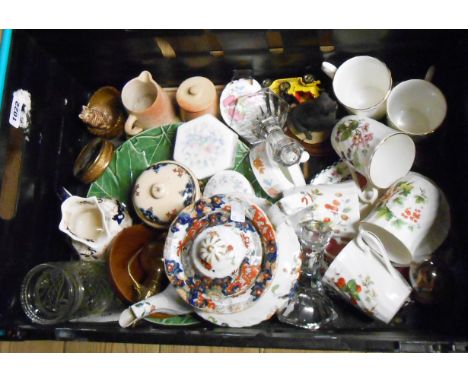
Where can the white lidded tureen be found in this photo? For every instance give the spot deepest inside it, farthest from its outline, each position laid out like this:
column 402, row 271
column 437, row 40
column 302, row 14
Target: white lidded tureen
column 227, row 263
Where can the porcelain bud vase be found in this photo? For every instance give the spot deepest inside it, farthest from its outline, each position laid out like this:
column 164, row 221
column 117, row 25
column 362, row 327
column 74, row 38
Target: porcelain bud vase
column 92, row 223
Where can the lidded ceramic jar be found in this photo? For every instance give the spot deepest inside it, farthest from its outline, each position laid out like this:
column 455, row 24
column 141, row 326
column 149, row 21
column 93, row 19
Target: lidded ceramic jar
column 221, row 254
column 162, row 191
column 196, row 96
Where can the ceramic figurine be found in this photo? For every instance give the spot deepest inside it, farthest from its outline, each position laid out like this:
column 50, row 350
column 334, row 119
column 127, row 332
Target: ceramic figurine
column 104, row 113
column 92, row 223
column 162, row 191
column 197, row 96
column 147, row 104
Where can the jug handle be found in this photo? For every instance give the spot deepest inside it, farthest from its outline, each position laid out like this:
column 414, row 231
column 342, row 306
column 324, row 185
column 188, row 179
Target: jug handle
column 168, row 301
column 130, row 128
column 329, row 69
column 430, row 73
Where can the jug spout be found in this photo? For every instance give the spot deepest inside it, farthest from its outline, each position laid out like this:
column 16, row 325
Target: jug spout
column 145, row 76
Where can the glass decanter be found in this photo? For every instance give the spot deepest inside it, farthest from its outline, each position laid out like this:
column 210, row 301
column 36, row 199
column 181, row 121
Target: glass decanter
column 310, row 307
column 261, row 117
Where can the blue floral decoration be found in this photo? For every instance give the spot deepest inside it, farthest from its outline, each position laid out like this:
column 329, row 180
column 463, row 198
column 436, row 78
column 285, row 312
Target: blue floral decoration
column 148, row 214
column 157, row 167
column 119, row 217
column 187, row 193
column 172, row 267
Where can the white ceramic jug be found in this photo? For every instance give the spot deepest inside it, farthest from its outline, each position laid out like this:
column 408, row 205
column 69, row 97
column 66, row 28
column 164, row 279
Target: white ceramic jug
column 91, row 223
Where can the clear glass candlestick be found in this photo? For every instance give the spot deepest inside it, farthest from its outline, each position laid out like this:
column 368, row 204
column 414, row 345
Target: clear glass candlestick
column 310, row 307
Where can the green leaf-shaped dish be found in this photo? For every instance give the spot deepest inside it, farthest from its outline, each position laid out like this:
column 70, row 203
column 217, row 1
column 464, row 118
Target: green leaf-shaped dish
column 133, row 157
column 144, row 149
column 182, row 320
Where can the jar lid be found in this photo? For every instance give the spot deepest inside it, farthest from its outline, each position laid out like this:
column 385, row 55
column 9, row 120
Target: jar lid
column 162, row 191
column 93, row 160
column 196, row 94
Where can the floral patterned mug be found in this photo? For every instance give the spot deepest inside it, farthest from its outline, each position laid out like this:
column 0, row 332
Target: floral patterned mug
column 362, row 278
column 404, row 215
column 376, row 151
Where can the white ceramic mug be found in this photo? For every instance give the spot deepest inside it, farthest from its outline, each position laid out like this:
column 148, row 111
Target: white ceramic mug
column 362, row 85
column 416, row 107
column 335, row 204
column 272, row 177
column 404, row 215
column 367, row 280
column 376, row 151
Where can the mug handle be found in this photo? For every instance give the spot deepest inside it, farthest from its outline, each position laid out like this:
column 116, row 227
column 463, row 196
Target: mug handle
column 369, row 242
column 130, row 128
column 295, row 174
column 429, row 74
column 329, row 69
column 370, row 194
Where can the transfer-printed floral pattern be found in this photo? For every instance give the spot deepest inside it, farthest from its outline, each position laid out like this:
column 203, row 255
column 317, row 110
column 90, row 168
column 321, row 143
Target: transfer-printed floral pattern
column 358, row 138
column 334, row 210
column 358, row 292
column 228, row 182
column 265, row 178
column 336, row 173
column 402, row 205
column 199, row 290
column 156, row 212
column 205, row 146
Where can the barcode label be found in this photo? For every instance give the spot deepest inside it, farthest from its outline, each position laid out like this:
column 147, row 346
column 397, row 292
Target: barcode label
column 16, row 111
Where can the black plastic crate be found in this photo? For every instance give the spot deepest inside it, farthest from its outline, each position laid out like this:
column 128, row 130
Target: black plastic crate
column 62, row 68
